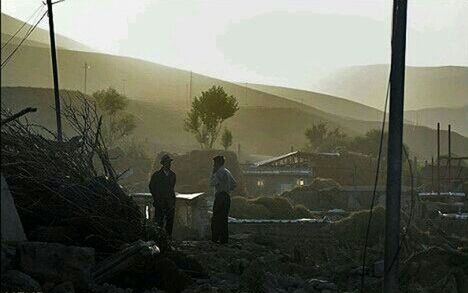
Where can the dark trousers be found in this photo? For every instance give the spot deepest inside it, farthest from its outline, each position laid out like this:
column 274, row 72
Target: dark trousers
column 164, row 217
column 219, row 221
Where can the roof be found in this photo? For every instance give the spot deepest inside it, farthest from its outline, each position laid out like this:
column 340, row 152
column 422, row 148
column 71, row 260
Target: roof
column 271, row 160
column 296, row 153
column 277, row 172
column 181, row 196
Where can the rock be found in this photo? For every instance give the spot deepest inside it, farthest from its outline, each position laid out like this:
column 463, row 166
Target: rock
column 237, row 266
column 53, row 262
column 121, row 261
column 379, row 268
column 320, row 285
column 109, row 288
column 48, row 286
column 253, row 278
column 353, row 204
column 65, row 287
column 154, row 290
column 8, row 257
column 11, row 227
column 18, row 281
column 358, row 271
column 172, row 278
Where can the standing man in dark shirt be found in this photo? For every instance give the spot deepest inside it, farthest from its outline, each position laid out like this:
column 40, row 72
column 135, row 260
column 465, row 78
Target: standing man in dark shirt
column 162, row 188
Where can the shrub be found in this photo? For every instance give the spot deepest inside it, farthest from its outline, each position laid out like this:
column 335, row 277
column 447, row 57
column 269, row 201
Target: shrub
column 354, row 226
column 300, row 212
column 279, row 207
column 244, row 208
column 267, row 208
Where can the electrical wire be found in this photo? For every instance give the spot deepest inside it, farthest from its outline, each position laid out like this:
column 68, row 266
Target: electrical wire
column 23, row 25
column 376, row 181
column 410, row 217
column 29, row 32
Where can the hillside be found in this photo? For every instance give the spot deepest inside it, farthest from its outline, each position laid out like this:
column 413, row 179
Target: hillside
column 426, row 87
column 457, row 117
column 327, row 103
column 267, row 123
column 259, row 130
column 10, row 25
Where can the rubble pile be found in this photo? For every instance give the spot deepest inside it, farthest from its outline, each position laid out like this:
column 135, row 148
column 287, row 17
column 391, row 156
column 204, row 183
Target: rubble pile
column 67, row 191
column 320, row 194
column 249, row 266
column 267, row 208
column 137, row 267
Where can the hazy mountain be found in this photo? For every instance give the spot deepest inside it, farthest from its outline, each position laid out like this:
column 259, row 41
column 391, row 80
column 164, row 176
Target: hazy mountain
column 339, row 106
column 263, row 130
column 457, row 117
column 426, row 87
column 138, row 79
column 10, row 25
column 266, row 123
column 16, row 41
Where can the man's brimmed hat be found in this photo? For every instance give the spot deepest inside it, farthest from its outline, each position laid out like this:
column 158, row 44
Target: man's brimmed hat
column 219, row 159
column 166, row 158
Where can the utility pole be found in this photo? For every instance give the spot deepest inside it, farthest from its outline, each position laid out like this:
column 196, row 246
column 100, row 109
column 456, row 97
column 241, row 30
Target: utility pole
column 395, row 143
column 438, row 158
column 449, row 158
column 190, row 87
column 123, row 86
column 53, row 54
column 86, row 67
column 432, row 174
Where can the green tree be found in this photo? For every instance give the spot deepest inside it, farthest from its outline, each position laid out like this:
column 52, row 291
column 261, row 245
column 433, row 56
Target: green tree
column 226, row 139
column 117, row 122
column 208, row 113
column 320, row 138
column 110, row 101
column 369, row 143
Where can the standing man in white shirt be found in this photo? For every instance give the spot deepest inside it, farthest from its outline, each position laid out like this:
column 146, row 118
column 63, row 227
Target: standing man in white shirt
column 223, row 183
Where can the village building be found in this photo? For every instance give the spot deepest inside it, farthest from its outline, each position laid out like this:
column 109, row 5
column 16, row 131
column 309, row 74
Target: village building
column 451, row 177
column 283, row 173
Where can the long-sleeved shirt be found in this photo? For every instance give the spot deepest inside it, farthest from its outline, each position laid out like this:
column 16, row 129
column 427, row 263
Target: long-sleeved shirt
column 223, row 181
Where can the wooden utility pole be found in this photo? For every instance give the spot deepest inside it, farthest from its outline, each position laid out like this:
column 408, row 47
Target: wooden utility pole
column 53, row 54
column 432, row 174
column 86, row 67
column 190, row 87
column 395, row 145
column 449, row 158
column 438, row 158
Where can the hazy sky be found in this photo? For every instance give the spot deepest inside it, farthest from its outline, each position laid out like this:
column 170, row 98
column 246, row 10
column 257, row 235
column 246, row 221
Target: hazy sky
column 292, row 43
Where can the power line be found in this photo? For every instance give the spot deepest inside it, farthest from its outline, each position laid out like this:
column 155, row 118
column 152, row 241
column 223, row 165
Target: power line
column 376, row 181
column 28, row 33
column 22, row 26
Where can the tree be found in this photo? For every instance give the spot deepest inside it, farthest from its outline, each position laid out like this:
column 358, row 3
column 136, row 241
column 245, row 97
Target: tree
column 369, row 143
column 320, row 138
column 110, row 101
column 226, row 139
column 208, row 113
column 117, row 122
